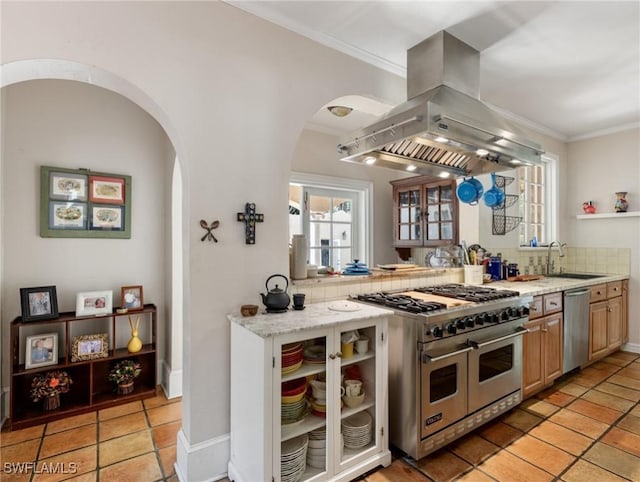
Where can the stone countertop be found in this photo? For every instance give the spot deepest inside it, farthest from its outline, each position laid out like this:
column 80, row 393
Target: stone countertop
column 376, row 274
column 315, row 315
column 553, row 285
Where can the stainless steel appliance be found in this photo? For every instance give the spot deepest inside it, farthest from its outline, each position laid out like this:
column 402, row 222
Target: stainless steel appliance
column 455, row 361
column 444, row 126
column 576, row 329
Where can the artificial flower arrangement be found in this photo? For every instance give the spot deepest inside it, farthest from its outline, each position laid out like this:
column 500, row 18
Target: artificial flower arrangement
column 125, row 371
column 50, row 384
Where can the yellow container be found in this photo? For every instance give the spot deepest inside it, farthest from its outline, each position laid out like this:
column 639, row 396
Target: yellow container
column 346, row 349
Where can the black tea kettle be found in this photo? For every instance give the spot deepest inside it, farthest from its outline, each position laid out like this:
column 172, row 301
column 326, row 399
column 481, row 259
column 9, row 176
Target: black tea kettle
column 276, row 300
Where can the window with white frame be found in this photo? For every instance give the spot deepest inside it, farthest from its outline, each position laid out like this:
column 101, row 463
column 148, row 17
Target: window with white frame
column 334, row 215
column 537, row 205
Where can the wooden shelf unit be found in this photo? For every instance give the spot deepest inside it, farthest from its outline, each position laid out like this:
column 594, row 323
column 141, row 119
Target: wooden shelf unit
column 91, row 389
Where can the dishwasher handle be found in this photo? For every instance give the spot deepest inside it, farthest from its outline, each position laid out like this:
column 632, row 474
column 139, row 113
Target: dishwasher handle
column 576, row 293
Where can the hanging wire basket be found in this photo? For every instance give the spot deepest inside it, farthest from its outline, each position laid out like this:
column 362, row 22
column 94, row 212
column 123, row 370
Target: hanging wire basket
column 509, row 200
column 505, row 224
column 503, row 181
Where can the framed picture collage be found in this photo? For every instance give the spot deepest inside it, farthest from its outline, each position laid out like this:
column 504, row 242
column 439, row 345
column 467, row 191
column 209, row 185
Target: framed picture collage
column 78, row 203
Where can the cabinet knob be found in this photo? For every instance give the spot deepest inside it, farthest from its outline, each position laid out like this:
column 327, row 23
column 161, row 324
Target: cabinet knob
column 598, row 292
column 544, row 330
column 339, row 354
column 615, row 289
column 533, row 307
column 553, row 303
column 332, row 356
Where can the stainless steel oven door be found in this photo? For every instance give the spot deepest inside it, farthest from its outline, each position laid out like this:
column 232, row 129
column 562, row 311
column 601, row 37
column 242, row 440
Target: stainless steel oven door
column 495, row 368
column 443, row 388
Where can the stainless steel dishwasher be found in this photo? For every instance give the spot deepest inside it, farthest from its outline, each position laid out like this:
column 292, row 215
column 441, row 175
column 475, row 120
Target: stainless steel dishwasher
column 576, row 329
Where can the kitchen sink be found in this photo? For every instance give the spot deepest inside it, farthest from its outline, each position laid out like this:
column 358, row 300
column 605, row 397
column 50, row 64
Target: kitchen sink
column 574, row 275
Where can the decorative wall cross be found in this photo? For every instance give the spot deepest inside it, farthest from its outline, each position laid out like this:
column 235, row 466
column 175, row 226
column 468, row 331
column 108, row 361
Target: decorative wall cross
column 250, row 218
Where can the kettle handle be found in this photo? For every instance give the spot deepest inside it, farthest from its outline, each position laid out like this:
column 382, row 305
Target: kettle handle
column 275, row 276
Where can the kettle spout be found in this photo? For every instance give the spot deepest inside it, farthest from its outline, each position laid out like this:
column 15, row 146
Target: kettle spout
column 264, row 298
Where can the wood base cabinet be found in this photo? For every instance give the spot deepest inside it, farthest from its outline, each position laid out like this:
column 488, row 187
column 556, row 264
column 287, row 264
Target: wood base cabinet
column 542, row 345
column 273, row 439
column 91, row 389
column 606, row 331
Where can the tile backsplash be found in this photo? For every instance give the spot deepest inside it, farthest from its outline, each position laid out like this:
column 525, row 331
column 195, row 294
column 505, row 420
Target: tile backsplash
column 581, row 260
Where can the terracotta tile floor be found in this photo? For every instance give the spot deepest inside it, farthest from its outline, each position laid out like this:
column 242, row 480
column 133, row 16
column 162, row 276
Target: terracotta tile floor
column 586, row 428
column 134, row 442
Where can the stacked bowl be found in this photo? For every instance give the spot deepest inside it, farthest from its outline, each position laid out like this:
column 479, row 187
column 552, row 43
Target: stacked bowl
column 317, row 450
column 294, row 406
column 291, row 357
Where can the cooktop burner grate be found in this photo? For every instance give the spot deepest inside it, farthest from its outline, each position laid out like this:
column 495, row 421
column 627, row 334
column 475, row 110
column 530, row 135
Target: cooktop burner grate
column 402, row 302
column 468, row 293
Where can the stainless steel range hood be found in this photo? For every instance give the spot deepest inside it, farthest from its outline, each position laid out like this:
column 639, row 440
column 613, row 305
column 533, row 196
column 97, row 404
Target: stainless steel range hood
column 443, row 129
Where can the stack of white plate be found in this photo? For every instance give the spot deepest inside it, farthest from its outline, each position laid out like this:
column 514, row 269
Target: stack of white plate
column 317, row 451
column 357, row 430
column 293, row 458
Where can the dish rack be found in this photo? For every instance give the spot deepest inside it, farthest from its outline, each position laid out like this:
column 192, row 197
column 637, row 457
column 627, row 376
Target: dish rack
column 501, row 223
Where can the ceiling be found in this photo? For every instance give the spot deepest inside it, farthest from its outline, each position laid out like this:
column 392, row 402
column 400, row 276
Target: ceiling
column 569, row 69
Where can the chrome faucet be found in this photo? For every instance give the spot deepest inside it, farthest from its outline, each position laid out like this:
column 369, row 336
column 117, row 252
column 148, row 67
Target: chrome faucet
column 560, row 246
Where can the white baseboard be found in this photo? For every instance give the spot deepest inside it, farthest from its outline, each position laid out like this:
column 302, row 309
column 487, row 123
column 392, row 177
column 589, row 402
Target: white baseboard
column 171, row 381
column 196, row 463
column 632, row 347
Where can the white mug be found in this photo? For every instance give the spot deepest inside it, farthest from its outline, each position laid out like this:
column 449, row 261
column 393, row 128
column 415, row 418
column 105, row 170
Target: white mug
column 362, row 345
column 353, row 388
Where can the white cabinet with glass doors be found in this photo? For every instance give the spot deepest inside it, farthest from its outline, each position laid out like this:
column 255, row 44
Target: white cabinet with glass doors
column 288, row 418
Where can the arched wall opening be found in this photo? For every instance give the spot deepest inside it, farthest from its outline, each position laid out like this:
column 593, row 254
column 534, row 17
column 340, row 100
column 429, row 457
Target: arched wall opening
column 109, row 125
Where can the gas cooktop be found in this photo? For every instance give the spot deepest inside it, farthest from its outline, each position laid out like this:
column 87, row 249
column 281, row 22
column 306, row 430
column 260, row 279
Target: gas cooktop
column 402, row 300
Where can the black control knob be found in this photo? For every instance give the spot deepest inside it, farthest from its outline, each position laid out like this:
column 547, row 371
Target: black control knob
column 494, row 318
column 460, row 324
column 436, row 331
column 504, row 316
column 524, row 311
column 451, row 329
column 471, row 321
column 482, row 319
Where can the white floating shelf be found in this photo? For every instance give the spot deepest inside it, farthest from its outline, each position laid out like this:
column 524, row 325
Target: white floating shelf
column 629, row 214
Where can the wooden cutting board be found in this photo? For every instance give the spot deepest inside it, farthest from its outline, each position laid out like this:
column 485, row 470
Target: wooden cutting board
column 450, row 302
column 525, row 277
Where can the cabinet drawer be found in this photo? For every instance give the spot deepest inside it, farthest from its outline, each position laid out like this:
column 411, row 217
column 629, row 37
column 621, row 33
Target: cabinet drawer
column 536, row 308
column 598, row 293
column 614, row 289
column 552, row 303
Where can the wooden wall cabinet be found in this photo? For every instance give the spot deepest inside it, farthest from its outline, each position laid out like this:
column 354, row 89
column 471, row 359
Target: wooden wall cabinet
column 91, row 388
column 542, row 345
column 425, row 212
column 607, row 324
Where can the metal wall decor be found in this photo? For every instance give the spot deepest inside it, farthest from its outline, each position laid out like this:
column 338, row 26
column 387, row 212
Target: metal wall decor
column 250, row 218
column 209, row 235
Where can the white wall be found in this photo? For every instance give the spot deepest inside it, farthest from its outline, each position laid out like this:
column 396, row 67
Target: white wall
column 75, row 125
column 238, row 91
column 599, row 168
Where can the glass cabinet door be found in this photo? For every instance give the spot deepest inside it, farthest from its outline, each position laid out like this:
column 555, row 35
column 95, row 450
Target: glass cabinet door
column 409, row 215
column 440, row 218
column 301, row 407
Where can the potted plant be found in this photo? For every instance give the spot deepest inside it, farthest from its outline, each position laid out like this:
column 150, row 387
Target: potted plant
column 123, row 374
column 48, row 388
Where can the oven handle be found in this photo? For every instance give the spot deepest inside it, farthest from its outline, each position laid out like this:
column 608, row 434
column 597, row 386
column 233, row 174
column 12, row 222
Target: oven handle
column 432, row 359
column 519, row 331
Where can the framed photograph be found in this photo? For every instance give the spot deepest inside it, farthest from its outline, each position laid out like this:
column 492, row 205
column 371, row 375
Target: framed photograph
column 106, row 190
column 41, row 350
column 78, row 203
column 64, row 215
column 67, row 186
column 131, row 298
column 94, row 303
column 89, row 347
column 107, row 217
column 39, row 303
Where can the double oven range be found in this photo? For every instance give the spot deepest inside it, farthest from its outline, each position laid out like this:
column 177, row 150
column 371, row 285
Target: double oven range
column 455, row 361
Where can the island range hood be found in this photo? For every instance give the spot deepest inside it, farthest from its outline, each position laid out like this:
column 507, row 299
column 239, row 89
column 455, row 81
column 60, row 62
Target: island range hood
column 443, row 129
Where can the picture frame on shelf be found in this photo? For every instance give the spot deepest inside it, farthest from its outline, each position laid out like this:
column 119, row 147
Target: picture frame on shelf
column 94, row 303
column 89, row 347
column 132, row 298
column 39, row 303
column 79, row 203
column 41, row 350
